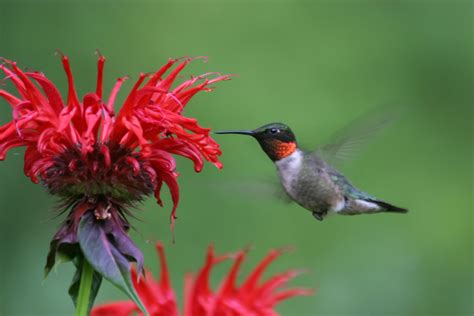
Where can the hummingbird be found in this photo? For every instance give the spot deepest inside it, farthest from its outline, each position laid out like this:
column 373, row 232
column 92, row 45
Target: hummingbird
column 309, row 180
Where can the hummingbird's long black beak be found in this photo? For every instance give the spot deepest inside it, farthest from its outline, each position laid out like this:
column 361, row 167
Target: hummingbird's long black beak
column 242, row 132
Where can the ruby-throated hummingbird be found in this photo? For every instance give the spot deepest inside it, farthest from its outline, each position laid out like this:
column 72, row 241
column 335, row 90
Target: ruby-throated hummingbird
column 309, row 180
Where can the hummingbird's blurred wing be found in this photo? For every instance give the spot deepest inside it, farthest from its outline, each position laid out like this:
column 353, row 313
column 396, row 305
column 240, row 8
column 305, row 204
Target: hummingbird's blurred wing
column 350, row 140
column 261, row 188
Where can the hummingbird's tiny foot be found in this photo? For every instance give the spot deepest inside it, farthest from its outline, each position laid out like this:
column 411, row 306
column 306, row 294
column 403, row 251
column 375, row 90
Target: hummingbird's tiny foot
column 318, row 216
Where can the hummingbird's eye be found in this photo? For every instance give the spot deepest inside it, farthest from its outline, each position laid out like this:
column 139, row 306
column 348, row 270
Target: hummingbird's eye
column 274, row 130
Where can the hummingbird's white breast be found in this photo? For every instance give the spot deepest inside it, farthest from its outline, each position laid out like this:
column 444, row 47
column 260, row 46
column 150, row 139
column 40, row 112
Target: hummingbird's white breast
column 288, row 170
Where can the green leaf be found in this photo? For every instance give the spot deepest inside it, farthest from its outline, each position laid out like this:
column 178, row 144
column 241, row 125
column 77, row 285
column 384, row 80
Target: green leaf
column 75, row 284
column 59, row 252
column 105, row 258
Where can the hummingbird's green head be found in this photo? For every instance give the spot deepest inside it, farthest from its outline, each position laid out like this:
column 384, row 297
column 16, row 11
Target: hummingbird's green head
column 276, row 139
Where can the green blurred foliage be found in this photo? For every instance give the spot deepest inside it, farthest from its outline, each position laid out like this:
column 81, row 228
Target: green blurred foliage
column 314, row 65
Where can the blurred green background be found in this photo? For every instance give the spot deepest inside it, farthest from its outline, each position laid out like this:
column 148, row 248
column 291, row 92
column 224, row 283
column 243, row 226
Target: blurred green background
column 315, row 65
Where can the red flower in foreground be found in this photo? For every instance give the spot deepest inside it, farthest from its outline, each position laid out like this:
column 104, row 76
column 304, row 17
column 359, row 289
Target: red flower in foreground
column 251, row 298
column 101, row 163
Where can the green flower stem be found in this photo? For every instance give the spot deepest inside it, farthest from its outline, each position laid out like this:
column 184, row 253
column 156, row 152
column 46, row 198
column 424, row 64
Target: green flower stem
column 82, row 307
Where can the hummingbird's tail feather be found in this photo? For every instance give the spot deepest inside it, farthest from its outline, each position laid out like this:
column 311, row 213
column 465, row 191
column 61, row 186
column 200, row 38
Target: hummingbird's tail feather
column 387, row 207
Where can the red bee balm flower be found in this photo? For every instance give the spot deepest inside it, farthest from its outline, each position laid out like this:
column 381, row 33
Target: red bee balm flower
column 100, row 164
column 251, row 298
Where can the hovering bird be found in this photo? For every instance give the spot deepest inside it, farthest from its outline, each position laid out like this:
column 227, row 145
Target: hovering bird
column 309, row 180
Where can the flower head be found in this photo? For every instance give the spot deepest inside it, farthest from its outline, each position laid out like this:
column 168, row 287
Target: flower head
column 83, row 149
column 253, row 297
column 99, row 162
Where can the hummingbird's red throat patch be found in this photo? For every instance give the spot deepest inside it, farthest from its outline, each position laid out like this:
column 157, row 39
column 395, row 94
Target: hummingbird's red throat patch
column 283, row 149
